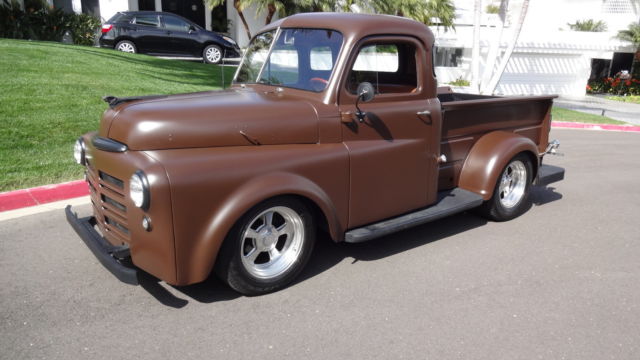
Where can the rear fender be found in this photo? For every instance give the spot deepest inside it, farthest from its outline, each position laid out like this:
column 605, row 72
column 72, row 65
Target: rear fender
column 489, row 155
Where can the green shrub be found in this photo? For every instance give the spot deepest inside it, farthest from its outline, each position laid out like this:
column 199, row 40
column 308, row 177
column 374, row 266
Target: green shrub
column 38, row 21
column 460, row 82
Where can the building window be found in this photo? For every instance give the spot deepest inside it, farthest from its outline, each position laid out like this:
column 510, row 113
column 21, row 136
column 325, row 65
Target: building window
column 447, row 56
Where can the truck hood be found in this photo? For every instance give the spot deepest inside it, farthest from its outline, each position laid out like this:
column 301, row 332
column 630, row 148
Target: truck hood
column 232, row 117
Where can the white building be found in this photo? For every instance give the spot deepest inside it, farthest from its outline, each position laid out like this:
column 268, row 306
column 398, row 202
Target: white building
column 549, row 58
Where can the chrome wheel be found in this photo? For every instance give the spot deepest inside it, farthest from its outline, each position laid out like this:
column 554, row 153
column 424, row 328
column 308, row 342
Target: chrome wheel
column 213, row 54
column 512, row 184
column 272, row 242
column 126, row 46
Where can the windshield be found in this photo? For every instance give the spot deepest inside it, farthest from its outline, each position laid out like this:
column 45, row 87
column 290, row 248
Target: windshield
column 296, row 58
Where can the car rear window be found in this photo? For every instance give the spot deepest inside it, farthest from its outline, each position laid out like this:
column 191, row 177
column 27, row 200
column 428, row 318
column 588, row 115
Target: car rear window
column 148, row 20
column 119, row 17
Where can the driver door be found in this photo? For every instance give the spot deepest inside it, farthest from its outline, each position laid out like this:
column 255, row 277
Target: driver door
column 392, row 151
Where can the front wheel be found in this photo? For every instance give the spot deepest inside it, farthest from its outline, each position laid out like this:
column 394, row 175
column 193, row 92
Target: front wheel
column 268, row 247
column 212, row 54
column 511, row 194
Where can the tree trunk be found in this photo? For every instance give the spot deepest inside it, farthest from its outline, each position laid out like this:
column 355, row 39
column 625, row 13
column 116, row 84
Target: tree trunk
column 236, row 4
column 271, row 10
column 475, row 51
column 491, row 87
column 492, row 55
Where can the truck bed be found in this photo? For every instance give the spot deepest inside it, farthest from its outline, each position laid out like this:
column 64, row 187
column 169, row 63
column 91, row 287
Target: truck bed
column 466, row 117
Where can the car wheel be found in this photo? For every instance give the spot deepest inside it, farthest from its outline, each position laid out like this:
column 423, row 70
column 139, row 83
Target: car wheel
column 126, row 46
column 212, row 54
column 511, row 194
column 268, row 247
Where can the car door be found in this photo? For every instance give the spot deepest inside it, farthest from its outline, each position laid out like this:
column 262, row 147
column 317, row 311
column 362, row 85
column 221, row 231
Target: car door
column 182, row 35
column 392, row 151
column 149, row 37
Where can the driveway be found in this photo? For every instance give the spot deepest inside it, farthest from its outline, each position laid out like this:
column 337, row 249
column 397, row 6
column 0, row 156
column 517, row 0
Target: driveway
column 561, row 281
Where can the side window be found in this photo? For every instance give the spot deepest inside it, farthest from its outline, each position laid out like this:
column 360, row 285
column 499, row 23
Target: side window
column 389, row 67
column 175, row 24
column 147, row 20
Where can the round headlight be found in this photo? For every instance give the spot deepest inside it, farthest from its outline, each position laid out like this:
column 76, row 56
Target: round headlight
column 139, row 190
column 78, row 151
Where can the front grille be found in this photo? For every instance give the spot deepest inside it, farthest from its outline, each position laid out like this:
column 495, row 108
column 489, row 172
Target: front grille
column 112, row 180
column 107, row 197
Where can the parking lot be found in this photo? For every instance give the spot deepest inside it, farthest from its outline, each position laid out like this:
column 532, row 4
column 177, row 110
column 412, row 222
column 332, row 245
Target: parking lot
column 561, row 281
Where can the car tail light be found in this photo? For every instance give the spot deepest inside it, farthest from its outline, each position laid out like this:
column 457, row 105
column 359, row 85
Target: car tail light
column 106, row 28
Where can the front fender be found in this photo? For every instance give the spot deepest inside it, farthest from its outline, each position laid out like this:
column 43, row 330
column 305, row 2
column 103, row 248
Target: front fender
column 489, row 155
column 249, row 195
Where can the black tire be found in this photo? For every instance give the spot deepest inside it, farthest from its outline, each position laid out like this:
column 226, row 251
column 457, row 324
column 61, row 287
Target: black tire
column 248, row 263
column 126, row 46
column 212, row 54
column 510, row 196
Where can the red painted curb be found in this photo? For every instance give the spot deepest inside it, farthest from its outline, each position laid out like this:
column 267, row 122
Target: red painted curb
column 18, row 199
column 575, row 125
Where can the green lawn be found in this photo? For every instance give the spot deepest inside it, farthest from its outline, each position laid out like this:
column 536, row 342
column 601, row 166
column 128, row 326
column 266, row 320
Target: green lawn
column 630, row 98
column 560, row 114
column 51, row 94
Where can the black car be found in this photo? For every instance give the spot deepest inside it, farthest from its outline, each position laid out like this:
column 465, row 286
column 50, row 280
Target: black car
column 161, row 33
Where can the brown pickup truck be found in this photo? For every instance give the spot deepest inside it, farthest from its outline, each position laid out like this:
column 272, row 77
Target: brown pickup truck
column 333, row 122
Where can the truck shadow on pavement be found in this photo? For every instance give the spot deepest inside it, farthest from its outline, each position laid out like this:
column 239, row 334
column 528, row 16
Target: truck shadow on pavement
column 327, row 254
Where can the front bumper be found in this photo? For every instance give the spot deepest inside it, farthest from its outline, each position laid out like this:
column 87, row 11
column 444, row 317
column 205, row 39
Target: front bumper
column 111, row 257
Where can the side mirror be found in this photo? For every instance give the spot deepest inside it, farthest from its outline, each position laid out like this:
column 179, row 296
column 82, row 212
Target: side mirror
column 366, row 93
column 192, row 29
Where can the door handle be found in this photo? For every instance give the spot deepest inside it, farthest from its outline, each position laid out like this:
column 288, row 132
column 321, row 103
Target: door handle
column 425, row 116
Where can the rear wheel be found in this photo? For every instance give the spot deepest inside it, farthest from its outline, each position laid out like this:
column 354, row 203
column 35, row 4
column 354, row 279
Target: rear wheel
column 212, row 54
column 268, row 247
column 511, row 194
column 126, row 46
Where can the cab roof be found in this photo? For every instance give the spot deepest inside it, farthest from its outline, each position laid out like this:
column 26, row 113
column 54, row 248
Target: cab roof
column 357, row 26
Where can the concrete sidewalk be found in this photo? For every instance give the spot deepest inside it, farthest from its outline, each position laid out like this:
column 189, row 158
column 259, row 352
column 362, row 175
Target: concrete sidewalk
column 596, row 104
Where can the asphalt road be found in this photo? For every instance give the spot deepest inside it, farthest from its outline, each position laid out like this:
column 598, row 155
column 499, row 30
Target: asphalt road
column 560, row 282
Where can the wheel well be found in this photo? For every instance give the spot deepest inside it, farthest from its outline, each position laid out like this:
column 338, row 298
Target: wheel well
column 534, row 163
column 123, row 38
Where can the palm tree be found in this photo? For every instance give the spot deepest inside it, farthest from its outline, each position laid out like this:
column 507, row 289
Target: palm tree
column 238, row 5
column 589, row 25
column 491, row 86
column 632, row 34
column 492, row 55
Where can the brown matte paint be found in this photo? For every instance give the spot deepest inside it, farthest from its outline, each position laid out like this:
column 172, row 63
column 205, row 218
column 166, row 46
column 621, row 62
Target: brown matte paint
column 212, row 156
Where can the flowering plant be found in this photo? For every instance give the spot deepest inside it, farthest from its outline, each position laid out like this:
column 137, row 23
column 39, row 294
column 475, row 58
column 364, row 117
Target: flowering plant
column 618, row 85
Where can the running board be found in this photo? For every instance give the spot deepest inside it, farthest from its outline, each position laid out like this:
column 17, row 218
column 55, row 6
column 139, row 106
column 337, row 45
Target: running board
column 449, row 202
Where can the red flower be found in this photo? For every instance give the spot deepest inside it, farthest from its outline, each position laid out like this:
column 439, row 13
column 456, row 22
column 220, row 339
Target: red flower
column 628, row 82
column 588, row 87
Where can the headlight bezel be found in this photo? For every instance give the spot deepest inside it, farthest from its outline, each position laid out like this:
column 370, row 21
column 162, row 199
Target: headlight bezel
column 79, row 151
column 139, row 183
